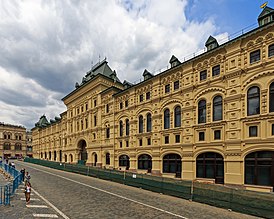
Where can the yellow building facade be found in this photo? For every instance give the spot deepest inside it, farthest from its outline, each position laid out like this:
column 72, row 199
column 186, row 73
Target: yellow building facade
column 210, row 118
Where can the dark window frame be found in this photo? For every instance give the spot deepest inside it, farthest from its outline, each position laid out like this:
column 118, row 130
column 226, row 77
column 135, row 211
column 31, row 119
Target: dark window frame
column 166, row 119
column 217, row 134
column 148, row 95
column 201, row 136
column 216, row 70
column 127, row 127
column 177, row 117
column 203, row 75
column 177, row 138
column 253, row 96
column 166, row 139
column 167, row 88
column 253, row 131
column 176, row 85
column 141, row 98
column 202, row 111
column 107, row 158
column 271, row 97
column 149, row 122
column 255, row 56
column 218, row 108
column 121, row 128
column 172, row 163
column 271, row 50
column 141, row 124
column 144, row 162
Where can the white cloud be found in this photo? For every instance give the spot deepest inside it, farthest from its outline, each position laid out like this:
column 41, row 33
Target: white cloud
column 46, row 46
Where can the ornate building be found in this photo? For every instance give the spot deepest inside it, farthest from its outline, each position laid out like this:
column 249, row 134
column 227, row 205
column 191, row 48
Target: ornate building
column 12, row 141
column 208, row 118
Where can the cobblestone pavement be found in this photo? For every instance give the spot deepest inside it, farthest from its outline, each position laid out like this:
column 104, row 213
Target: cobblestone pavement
column 83, row 197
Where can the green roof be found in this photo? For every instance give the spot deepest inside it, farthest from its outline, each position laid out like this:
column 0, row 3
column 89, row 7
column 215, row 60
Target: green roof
column 265, row 12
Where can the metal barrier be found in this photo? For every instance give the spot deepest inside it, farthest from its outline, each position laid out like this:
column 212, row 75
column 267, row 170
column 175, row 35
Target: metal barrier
column 244, row 201
column 6, row 191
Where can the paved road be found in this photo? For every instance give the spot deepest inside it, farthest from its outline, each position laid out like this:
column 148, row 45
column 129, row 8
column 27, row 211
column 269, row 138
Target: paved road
column 69, row 195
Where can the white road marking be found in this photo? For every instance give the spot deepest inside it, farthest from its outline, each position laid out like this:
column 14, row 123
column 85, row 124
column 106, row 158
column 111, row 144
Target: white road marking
column 113, row 194
column 45, row 215
column 37, row 206
column 51, row 205
column 32, row 199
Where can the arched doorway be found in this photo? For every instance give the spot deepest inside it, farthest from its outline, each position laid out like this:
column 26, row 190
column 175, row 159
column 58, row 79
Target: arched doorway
column 83, row 155
column 60, row 155
column 145, row 162
column 259, row 168
column 124, row 161
column 54, row 155
column 94, row 159
column 71, row 158
column 172, row 163
column 210, row 165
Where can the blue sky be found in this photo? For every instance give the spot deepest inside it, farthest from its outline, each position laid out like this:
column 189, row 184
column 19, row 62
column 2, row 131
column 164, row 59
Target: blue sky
column 47, row 46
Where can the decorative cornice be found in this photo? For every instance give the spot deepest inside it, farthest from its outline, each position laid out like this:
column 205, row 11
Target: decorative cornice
column 257, row 76
column 208, row 90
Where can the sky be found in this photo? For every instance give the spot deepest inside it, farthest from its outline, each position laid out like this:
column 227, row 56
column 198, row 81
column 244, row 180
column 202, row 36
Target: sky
column 46, row 46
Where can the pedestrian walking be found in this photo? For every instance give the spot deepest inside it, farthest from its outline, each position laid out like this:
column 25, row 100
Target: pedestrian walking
column 27, row 192
column 22, row 171
column 27, row 178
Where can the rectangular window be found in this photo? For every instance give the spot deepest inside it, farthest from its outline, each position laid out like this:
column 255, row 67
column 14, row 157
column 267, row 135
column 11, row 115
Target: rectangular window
column 149, row 141
column 121, row 105
column 95, row 121
column 216, row 70
column 147, row 95
column 141, row 98
column 107, row 108
column 177, row 138
column 82, row 109
column 95, row 103
column 253, row 131
column 127, row 144
column 217, row 134
column 94, row 136
column 86, row 106
column 167, row 139
column 167, row 88
column 140, row 142
column 255, row 56
column 272, row 129
column 126, row 103
column 271, row 50
column 108, row 133
column 201, row 136
column 203, row 75
column 176, row 85
column 121, row 144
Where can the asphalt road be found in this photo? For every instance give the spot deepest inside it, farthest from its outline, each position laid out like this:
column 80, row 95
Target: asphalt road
column 74, row 196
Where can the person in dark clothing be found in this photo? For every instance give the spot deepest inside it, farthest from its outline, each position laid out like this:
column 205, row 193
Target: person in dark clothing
column 22, row 171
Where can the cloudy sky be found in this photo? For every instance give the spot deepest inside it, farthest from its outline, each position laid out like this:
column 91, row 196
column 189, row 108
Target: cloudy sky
column 46, row 46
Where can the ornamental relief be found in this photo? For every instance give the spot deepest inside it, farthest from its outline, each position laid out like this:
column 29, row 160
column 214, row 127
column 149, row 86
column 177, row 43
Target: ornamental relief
column 171, row 78
column 144, row 89
column 170, row 102
column 252, row 43
column 257, row 76
column 213, row 89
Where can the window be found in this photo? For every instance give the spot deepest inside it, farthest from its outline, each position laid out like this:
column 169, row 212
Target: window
column 107, row 108
column 126, row 103
column 121, row 144
column 253, row 131
column 95, row 103
column 176, row 85
column 216, row 70
column 166, row 139
column 124, row 161
column 271, row 97
column 121, row 105
column 127, row 127
column 140, row 142
column 7, row 146
column 203, row 75
column 147, row 95
column 177, row 112
column 5, row 136
column 210, row 165
column 95, row 121
column 217, row 108
column 107, row 132
column 82, row 109
column 272, row 129
column 86, row 106
column 127, row 144
column 253, row 101
column 82, row 125
column 202, row 111
column 78, row 111
column 201, row 136
column 167, row 88
column 149, row 122
column 172, row 163
column 271, row 50
column 86, row 120
column 148, row 141
column 94, row 136
column 121, row 128
column 217, row 134
column 259, row 168
column 107, row 159
column 255, row 56
column 144, row 162
column 141, row 124
column 177, row 138
column 166, row 119
column 141, row 97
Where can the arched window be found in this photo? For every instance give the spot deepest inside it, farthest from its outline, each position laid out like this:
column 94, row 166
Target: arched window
column 253, row 101
column 124, row 161
column 50, row 155
column 71, row 158
column 45, row 155
column 202, row 111
column 141, row 124
column 121, row 127
column 54, row 155
column 271, row 97
column 127, row 127
column 172, row 164
column 217, row 108
column 210, row 165
column 107, row 159
column 259, row 168
column 177, row 119
column 149, row 122
column 41, row 155
column 166, row 119
column 144, row 162
column 7, row 146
